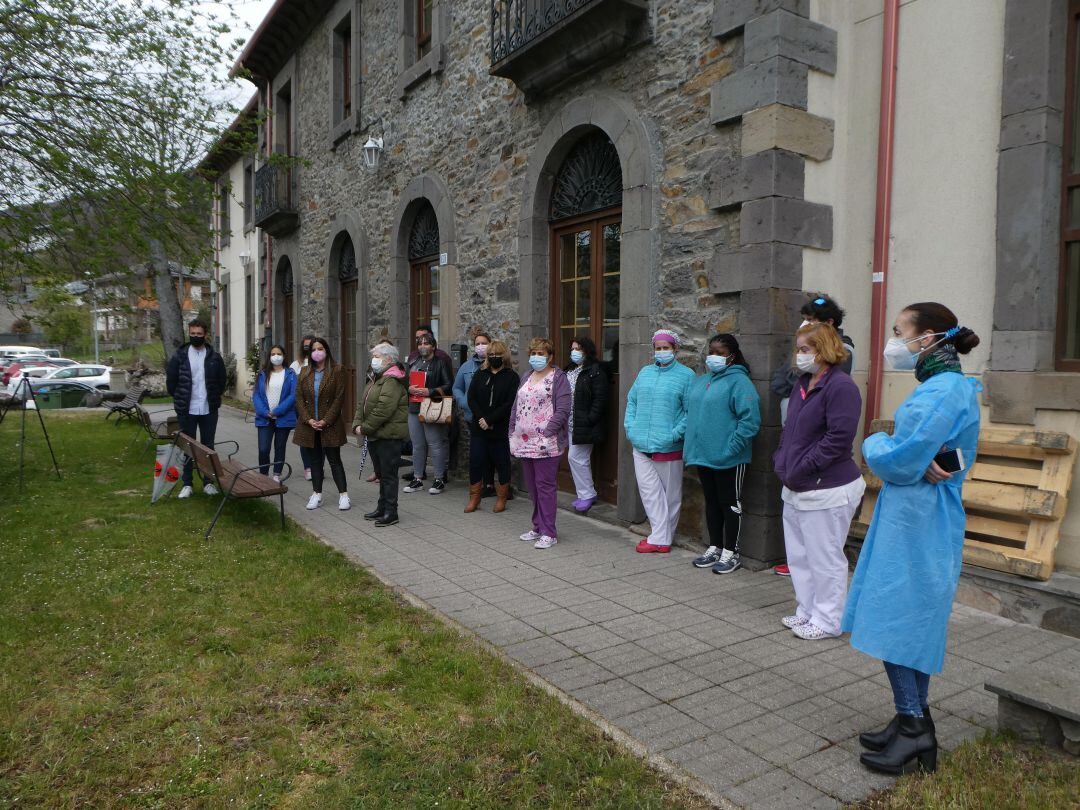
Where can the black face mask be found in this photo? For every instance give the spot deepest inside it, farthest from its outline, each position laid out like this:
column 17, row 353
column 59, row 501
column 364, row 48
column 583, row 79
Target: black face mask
column 305, row 349
column 495, row 362
column 197, row 341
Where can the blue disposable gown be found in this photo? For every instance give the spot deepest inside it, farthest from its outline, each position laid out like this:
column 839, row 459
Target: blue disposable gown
column 902, row 592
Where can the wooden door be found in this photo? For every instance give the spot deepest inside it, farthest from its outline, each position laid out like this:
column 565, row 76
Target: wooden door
column 585, row 303
column 289, row 336
column 348, row 344
column 424, row 294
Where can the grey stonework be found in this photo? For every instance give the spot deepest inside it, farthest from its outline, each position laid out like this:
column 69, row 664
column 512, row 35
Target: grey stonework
column 1021, row 378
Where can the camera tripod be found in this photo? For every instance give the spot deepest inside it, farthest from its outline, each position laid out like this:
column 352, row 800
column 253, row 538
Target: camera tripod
column 30, row 397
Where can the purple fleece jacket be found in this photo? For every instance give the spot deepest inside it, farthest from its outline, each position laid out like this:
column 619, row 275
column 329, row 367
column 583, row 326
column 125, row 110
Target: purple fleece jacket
column 816, row 446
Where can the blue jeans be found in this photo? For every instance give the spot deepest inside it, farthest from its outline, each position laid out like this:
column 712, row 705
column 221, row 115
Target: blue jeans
column 207, row 428
column 910, row 689
column 279, row 437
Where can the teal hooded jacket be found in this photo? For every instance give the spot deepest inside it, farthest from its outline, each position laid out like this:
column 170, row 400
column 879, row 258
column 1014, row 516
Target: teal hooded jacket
column 722, row 419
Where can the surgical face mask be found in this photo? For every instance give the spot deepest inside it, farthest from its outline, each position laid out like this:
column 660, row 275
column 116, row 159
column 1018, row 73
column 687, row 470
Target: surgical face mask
column 277, row 359
column 495, row 362
column 376, row 364
column 481, row 350
column 577, row 356
column 318, row 355
column 807, row 363
column 198, row 341
column 425, row 349
column 663, row 356
column 538, row 362
column 898, row 357
column 801, row 325
column 715, row 363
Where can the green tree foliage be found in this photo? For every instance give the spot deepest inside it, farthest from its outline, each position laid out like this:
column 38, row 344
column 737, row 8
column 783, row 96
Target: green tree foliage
column 106, row 108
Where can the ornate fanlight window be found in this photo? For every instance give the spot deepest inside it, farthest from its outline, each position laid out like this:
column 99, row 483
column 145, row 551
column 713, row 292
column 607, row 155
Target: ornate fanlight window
column 424, row 236
column 347, row 261
column 590, row 179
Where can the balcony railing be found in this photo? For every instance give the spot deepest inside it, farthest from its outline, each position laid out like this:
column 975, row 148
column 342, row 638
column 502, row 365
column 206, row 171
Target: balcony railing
column 275, row 205
column 541, row 44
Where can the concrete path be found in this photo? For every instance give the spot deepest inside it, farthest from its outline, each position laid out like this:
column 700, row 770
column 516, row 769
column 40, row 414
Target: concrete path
column 695, row 667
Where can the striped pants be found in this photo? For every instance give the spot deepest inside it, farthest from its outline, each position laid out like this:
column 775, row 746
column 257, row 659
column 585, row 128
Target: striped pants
column 723, row 504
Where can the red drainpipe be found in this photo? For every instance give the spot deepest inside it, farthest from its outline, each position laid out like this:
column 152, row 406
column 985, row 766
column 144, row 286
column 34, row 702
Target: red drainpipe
column 269, row 239
column 883, row 208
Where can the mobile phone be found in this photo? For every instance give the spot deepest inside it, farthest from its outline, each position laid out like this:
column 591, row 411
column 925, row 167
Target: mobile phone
column 951, row 461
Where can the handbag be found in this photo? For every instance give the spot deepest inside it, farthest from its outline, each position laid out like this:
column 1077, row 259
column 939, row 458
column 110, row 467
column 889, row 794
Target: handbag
column 437, row 411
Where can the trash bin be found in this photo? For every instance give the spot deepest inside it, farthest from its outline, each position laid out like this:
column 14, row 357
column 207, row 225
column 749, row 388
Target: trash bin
column 72, row 397
column 49, row 400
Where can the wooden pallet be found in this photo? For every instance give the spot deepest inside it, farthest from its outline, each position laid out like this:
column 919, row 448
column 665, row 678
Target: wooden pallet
column 1015, row 498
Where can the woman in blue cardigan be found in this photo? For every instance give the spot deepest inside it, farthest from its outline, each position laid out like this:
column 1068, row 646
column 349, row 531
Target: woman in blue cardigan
column 723, row 416
column 274, row 399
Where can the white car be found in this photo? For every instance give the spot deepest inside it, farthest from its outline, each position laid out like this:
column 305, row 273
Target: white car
column 92, row 375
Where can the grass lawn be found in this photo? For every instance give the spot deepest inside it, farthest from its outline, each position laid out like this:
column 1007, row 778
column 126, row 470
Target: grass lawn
column 140, row 666
column 152, row 353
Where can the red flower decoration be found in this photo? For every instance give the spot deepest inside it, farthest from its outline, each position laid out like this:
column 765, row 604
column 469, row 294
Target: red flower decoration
column 172, row 474
column 157, row 469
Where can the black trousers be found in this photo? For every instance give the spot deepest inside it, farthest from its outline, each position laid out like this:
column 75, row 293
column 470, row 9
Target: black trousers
column 489, row 454
column 723, row 504
column 384, row 454
column 333, row 456
column 206, row 425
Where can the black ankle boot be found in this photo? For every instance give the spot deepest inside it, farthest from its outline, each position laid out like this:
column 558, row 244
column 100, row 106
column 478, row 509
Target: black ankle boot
column 389, row 519
column 877, row 740
column 374, row 514
column 913, row 745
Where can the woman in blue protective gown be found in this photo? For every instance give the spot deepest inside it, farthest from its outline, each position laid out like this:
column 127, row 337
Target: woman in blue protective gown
column 902, row 592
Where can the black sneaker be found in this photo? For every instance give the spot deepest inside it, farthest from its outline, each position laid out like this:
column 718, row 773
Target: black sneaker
column 387, row 519
column 710, row 558
column 437, row 487
column 416, row 485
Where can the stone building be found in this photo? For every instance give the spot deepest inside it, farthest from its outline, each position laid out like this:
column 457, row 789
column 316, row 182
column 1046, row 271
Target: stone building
column 605, row 167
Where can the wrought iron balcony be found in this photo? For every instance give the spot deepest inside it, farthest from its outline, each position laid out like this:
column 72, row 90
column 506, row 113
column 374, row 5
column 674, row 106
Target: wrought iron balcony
column 275, row 202
column 542, row 44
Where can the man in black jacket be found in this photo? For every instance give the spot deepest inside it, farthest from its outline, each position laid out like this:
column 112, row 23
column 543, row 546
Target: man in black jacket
column 195, row 378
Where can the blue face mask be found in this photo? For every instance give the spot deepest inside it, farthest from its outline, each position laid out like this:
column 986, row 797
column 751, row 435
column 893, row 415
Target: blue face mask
column 664, row 356
column 716, row 363
column 577, row 356
column 538, row 362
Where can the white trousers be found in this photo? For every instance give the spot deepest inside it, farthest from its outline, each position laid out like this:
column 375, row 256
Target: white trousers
column 660, row 486
column 815, row 555
column 580, row 460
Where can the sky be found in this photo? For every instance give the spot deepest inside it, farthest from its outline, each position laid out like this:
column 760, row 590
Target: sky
column 244, row 16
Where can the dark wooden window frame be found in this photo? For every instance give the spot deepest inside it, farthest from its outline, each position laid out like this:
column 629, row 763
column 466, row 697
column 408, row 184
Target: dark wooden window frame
column 1070, row 180
column 420, row 292
column 423, row 34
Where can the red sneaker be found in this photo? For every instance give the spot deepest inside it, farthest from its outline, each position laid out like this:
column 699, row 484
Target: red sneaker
column 781, row 571
column 645, row 547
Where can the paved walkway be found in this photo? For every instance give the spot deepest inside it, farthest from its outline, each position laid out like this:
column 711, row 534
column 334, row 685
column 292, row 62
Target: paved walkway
column 694, row 666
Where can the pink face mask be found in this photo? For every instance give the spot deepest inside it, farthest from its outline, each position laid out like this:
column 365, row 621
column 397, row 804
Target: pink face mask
column 318, row 355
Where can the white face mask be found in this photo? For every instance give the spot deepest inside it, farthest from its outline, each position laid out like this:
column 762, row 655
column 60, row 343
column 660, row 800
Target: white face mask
column 376, row 364
column 715, row 363
column 801, row 325
column 898, row 357
column 277, row 359
column 807, row 363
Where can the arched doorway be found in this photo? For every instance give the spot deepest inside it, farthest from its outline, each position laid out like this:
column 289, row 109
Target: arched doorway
column 424, row 293
column 348, row 277
column 586, row 241
column 287, row 313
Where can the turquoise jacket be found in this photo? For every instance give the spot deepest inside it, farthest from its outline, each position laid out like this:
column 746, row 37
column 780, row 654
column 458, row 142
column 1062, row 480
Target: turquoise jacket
column 722, row 418
column 656, row 408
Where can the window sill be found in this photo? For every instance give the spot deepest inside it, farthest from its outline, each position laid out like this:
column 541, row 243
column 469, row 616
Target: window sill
column 343, row 129
column 432, row 63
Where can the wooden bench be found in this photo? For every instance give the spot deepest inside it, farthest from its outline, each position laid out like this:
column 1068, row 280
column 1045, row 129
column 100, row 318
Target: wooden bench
column 1015, row 498
column 155, row 430
column 233, row 479
column 1040, row 703
column 125, row 408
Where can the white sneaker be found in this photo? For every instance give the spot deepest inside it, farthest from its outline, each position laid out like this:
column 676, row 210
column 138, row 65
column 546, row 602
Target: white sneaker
column 210, row 489
column 185, row 492
column 545, row 542
column 315, row 501
column 811, row 632
column 277, row 479
column 343, row 501
column 791, row 622
column 530, row 536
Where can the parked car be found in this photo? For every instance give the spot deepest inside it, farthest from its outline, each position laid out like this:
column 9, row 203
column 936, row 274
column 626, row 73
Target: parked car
column 93, row 375
column 51, row 352
column 15, row 373
column 18, row 351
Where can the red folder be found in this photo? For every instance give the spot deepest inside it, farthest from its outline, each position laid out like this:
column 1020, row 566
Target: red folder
column 417, row 379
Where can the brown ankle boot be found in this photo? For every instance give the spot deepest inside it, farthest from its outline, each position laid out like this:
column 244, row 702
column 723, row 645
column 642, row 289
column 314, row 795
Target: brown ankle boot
column 475, row 490
column 502, row 492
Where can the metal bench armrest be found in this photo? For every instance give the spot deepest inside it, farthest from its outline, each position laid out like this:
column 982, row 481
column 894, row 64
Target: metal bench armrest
column 236, row 447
